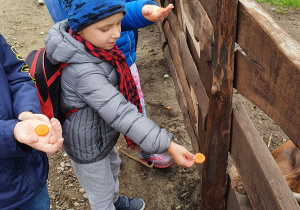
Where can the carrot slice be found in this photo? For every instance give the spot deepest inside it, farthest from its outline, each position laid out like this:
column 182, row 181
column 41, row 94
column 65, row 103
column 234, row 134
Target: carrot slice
column 41, row 130
column 160, row 9
column 199, row 158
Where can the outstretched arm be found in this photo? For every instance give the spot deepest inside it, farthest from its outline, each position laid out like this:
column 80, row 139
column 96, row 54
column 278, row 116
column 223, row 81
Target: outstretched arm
column 155, row 13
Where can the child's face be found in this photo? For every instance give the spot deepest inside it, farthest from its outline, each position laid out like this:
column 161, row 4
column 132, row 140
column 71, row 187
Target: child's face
column 104, row 33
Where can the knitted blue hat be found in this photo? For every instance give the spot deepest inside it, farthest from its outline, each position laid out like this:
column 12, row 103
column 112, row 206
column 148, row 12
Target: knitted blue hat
column 82, row 13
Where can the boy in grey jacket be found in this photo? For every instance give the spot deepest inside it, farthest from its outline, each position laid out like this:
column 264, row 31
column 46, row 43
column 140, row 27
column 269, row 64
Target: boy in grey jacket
column 100, row 100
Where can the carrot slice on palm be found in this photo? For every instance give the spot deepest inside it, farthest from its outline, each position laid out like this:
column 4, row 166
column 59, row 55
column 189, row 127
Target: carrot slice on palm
column 160, row 9
column 199, row 158
column 41, row 130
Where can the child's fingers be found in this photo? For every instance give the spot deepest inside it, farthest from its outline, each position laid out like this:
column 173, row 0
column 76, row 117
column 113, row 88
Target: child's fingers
column 30, row 139
column 43, row 118
column 52, row 148
column 166, row 10
column 185, row 162
column 189, row 163
column 56, row 131
column 189, row 159
column 189, row 155
column 169, row 8
column 55, row 147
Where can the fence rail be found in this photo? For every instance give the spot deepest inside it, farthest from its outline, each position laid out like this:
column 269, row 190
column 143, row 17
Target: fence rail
column 211, row 47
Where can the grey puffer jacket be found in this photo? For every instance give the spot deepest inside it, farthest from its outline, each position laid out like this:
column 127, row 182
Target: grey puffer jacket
column 91, row 85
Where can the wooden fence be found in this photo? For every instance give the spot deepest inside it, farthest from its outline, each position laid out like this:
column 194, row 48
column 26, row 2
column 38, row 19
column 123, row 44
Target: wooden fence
column 211, row 47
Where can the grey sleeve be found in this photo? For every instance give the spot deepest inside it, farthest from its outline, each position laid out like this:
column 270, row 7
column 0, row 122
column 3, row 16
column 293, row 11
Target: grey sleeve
column 94, row 88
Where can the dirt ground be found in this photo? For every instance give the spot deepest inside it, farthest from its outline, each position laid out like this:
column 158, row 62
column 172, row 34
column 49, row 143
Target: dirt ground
column 25, row 24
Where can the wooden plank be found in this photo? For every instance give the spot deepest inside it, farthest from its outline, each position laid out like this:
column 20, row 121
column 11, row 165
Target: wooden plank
column 188, row 31
column 268, row 73
column 210, row 7
column 219, row 114
column 180, row 72
column 189, row 66
column 203, row 62
column 262, row 179
column 162, row 37
column 204, row 73
column 203, row 31
column 196, row 109
column 159, row 25
column 178, row 12
column 179, row 95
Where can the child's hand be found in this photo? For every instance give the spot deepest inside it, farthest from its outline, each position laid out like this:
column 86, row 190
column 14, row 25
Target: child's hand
column 181, row 155
column 50, row 143
column 56, row 131
column 153, row 13
column 29, row 115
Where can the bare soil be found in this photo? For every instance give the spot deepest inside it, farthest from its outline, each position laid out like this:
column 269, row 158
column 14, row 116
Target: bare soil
column 25, row 23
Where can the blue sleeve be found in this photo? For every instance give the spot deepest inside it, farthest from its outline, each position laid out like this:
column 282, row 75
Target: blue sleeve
column 56, row 10
column 21, row 86
column 134, row 18
column 19, row 93
column 9, row 147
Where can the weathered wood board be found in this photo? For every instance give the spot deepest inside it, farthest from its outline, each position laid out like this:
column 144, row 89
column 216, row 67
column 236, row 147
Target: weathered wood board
column 267, row 68
column 262, row 179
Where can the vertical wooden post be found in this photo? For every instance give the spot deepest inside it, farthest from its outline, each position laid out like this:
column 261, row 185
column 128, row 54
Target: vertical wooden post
column 214, row 177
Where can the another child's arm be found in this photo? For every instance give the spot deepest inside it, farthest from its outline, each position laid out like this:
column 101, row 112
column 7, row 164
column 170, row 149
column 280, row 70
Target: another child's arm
column 181, row 155
column 155, row 13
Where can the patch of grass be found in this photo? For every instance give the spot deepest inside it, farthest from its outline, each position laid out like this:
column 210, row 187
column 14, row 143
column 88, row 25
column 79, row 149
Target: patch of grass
column 282, row 3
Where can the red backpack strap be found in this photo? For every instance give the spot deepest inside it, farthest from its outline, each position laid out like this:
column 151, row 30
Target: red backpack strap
column 34, row 61
column 47, row 81
column 50, row 80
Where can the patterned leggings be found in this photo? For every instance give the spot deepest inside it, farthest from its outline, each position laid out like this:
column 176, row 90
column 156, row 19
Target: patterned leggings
column 136, row 78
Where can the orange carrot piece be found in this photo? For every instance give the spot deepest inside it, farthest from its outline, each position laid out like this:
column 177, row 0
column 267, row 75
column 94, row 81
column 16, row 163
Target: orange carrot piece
column 41, row 130
column 199, row 158
column 160, row 9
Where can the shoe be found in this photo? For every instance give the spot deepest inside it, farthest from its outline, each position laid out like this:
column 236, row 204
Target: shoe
column 41, row 2
column 125, row 203
column 158, row 160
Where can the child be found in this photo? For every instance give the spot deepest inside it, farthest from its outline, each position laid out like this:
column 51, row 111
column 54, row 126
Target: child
column 100, row 100
column 140, row 13
column 23, row 169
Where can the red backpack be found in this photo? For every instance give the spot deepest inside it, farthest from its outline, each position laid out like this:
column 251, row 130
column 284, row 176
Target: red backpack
column 47, row 82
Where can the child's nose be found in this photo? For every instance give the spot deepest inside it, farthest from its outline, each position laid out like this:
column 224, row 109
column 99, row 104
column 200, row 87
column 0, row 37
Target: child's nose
column 116, row 33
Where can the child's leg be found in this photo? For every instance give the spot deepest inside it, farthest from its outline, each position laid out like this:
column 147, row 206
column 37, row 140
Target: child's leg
column 41, row 201
column 136, row 78
column 159, row 160
column 115, row 168
column 100, row 180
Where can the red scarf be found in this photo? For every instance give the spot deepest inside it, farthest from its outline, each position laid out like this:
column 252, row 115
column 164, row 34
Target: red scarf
column 117, row 59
